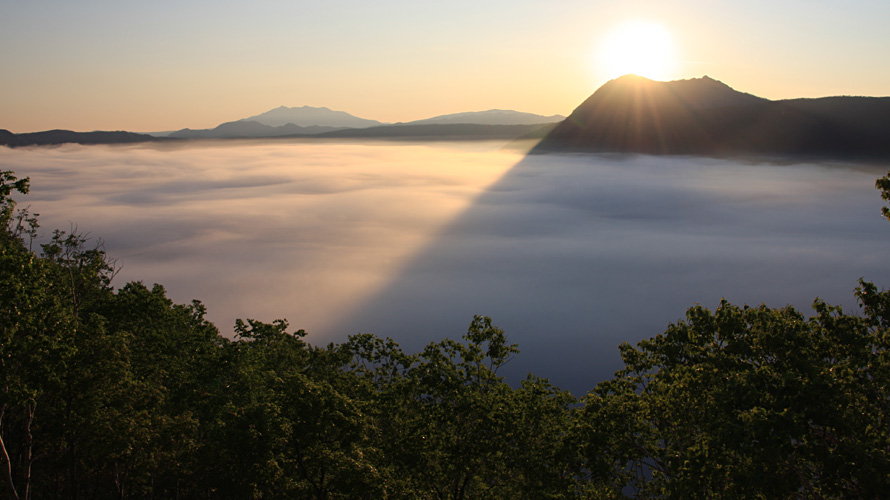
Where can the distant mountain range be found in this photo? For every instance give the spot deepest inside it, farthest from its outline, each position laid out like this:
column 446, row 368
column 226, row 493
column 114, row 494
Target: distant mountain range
column 631, row 114
column 307, row 121
column 706, row 117
column 308, row 116
column 250, row 129
column 324, row 122
column 445, row 131
column 490, row 117
column 50, row 137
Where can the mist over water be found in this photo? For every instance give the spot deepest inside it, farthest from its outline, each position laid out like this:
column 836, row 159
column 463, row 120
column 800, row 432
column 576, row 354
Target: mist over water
column 569, row 254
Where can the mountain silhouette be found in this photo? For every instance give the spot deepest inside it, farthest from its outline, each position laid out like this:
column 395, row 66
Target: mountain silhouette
column 441, row 131
column 249, row 129
column 490, row 117
column 491, row 124
column 306, row 116
column 52, row 137
column 630, row 114
column 703, row 116
column 7, row 138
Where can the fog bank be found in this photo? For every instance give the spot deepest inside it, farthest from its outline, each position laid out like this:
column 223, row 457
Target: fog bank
column 569, row 254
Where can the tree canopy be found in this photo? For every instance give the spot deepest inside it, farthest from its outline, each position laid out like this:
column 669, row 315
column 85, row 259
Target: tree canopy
column 121, row 393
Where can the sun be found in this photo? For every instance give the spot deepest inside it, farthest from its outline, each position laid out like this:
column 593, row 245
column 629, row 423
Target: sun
column 642, row 48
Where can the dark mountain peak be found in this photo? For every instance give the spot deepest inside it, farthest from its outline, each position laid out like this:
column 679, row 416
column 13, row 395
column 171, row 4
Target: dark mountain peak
column 7, row 138
column 630, row 77
column 693, row 93
column 712, row 81
column 708, row 79
column 704, row 116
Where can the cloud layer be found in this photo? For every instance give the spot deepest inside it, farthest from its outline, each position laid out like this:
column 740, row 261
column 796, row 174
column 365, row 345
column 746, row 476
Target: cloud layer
column 569, row 254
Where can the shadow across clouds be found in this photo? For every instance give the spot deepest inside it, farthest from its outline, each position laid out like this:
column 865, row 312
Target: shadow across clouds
column 570, row 254
column 573, row 254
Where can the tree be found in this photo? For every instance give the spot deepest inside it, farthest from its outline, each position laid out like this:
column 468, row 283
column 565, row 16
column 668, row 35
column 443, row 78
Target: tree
column 42, row 336
column 884, row 185
column 287, row 422
column 541, row 451
column 124, row 394
column 748, row 402
column 25, row 307
column 449, row 426
column 98, row 389
column 172, row 356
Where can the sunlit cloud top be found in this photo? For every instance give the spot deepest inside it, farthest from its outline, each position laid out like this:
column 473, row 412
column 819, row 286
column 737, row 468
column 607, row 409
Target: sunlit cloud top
column 570, row 254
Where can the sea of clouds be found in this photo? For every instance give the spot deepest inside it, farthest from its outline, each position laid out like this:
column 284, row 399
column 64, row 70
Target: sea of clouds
column 570, row 254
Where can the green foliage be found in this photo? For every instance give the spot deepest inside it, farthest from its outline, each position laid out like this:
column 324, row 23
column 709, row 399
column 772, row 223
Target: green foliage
column 884, row 185
column 121, row 393
column 8, row 184
column 457, row 419
column 748, row 403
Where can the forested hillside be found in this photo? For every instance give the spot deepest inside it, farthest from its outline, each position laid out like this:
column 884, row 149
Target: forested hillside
column 112, row 392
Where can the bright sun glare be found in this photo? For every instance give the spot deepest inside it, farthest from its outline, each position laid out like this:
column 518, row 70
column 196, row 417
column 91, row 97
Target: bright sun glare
column 640, row 47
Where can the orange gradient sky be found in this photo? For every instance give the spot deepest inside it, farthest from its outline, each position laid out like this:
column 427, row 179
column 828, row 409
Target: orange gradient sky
column 165, row 65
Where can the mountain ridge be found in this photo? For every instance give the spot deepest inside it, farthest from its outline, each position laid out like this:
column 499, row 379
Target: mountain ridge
column 442, row 131
column 307, row 116
column 59, row 136
column 307, row 121
column 630, row 114
column 706, row 117
column 489, row 117
column 243, row 129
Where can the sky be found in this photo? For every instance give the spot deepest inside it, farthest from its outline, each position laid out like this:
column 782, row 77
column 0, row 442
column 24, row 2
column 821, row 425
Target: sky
column 166, row 65
column 569, row 254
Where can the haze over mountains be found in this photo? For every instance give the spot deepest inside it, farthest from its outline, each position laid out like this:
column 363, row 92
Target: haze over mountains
column 310, row 121
column 631, row 114
column 243, row 129
column 491, row 117
column 309, row 116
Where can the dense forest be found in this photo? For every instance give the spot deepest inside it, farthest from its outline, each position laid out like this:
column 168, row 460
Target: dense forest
column 117, row 392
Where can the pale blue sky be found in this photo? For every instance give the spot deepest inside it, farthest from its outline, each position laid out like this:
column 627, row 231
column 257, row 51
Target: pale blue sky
column 165, row 65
